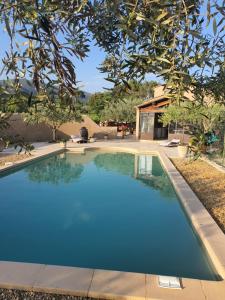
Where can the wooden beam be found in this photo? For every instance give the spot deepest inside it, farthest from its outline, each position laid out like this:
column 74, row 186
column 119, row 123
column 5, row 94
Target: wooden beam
column 152, row 109
column 155, row 107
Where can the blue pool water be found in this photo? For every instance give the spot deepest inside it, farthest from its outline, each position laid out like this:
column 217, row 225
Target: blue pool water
column 113, row 211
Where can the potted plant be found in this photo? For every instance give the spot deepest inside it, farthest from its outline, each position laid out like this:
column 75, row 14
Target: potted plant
column 92, row 139
column 182, row 150
column 182, row 147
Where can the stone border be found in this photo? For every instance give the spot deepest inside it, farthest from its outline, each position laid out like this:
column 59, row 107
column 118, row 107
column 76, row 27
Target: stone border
column 123, row 285
column 213, row 164
column 207, row 229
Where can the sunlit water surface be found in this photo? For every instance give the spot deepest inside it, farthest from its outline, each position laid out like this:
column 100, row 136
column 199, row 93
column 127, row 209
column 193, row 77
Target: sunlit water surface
column 113, row 211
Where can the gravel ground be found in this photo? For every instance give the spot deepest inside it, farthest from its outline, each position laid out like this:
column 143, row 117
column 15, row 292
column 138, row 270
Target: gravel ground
column 6, row 294
column 209, row 185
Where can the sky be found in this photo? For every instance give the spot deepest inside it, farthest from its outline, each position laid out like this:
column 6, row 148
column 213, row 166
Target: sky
column 91, row 80
column 89, row 77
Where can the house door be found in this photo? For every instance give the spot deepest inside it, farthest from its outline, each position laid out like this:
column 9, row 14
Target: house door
column 160, row 131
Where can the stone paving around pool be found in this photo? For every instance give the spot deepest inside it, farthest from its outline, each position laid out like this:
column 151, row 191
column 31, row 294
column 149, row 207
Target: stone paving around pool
column 122, row 285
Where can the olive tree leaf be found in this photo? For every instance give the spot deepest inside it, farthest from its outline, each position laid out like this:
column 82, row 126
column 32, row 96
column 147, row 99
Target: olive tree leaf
column 163, row 60
column 162, row 15
column 7, row 25
column 214, row 26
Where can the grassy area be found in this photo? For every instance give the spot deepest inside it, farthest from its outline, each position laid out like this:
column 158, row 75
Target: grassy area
column 209, row 185
column 4, row 159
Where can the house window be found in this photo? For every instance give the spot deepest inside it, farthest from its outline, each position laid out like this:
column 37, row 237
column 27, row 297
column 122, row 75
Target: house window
column 146, row 122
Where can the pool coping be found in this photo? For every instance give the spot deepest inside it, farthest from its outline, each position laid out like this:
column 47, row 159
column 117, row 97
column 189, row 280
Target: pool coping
column 30, row 158
column 107, row 284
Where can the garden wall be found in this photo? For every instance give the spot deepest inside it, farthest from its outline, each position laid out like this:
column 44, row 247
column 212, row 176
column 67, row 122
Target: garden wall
column 42, row 132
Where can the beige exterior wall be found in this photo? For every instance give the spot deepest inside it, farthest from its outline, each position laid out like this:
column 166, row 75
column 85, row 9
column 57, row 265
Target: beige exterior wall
column 73, row 128
column 160, row 91
column 42, row 132
column 18, row 128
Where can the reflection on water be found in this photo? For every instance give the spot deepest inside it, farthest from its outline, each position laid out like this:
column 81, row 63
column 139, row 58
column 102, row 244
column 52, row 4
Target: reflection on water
column 145, row 165
column 68, row 167
column 150, row 172
column 144, row 168
column 55, row 170
column 122, row 163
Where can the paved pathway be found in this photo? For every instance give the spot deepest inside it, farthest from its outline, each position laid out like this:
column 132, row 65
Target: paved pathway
column 143, row 145
column 42, row 147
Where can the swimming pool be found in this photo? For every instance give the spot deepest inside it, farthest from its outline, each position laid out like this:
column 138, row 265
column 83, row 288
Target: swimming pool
column 114, row 211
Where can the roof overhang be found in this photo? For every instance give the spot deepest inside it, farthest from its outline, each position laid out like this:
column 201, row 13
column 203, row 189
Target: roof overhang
column 154, row 102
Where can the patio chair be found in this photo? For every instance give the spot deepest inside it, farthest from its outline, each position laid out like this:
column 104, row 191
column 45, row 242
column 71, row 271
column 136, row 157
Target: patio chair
column 172, row 143
column 75, row 138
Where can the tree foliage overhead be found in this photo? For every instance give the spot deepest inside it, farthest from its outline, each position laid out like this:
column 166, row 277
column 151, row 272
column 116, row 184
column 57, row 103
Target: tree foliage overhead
column 215, row 86
column 43, row 34
column 140, row 89
column 4, row 118
column 139, row 37
column 167, row 38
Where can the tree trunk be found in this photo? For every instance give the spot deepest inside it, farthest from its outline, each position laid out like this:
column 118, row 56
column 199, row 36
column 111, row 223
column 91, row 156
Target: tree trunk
column 183, row 135
column 223, row 155
column 54, row 134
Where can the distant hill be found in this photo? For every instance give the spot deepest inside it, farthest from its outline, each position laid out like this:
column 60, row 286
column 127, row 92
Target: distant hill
column 27, row 88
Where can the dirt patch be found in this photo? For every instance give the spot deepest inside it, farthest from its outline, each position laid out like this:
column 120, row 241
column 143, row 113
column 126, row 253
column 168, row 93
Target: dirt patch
column 209, row 185
column 4, row 159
